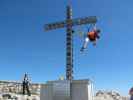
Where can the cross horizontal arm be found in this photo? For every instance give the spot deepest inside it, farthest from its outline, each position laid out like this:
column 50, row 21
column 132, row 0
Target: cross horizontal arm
column 73, row 22
column 86, row 20
column 53, row 26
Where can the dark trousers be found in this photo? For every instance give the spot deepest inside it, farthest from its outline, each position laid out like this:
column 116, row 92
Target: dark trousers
column 26, row 88
column 131, row 98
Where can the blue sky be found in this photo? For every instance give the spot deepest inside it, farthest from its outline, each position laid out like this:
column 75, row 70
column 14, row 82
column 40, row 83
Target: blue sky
column 25, row 47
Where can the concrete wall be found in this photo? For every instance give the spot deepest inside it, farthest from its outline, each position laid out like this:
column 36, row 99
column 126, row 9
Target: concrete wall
column 64, row 90
column 82, row 90
column 46, row 92
column 55, row 90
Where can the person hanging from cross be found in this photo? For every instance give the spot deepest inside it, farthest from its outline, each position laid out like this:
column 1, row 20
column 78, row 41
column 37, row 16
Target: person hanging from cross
column 91, row 36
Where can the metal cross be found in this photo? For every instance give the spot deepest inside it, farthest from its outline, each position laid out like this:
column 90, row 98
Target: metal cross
column 69, row 23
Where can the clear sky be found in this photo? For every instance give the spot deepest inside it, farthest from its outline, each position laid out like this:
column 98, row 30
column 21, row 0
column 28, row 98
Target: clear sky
column 25, row 47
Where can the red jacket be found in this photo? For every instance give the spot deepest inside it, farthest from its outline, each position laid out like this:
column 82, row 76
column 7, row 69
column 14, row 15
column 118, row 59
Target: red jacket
column 92, row 35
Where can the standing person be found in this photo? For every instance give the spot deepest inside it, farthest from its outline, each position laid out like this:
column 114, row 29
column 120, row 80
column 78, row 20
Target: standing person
column 25, row 85
column 131, row 93
column 92, row 36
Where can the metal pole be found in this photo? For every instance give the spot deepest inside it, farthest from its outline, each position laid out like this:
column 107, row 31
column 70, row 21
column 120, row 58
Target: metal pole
column 69, row 45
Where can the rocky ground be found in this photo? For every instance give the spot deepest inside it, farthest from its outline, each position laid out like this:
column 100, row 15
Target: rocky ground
column 109, row 95
column 13, row 90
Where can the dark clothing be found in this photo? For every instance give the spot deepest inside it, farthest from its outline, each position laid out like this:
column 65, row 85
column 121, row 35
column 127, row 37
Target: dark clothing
column 131, row 98
column 26, row 88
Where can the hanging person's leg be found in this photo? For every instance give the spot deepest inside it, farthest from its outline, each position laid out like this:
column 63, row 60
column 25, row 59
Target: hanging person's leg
column 85, row 44
column 94, row 43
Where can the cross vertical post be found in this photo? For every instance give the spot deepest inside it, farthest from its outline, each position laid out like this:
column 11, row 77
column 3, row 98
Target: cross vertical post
column 69, row 45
